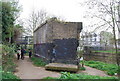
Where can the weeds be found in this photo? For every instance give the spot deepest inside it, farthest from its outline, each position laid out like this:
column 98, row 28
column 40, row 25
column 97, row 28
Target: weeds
column 38, row 62
column 82, row 68
column 8, row 62
column 67, row 75
column 110, row 69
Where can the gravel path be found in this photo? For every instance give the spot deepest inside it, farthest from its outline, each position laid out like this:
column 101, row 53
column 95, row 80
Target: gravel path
column 26, row 70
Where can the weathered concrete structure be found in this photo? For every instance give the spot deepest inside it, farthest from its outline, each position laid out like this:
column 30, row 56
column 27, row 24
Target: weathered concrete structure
column 57, row 41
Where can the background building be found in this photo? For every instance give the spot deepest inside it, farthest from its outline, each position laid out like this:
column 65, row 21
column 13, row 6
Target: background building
column 101, row 41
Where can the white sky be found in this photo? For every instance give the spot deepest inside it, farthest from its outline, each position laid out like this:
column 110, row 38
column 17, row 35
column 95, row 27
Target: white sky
column 70, row 10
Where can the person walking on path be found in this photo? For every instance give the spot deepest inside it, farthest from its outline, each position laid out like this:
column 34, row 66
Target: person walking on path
column 22, row 53
column 30, row 53
column 18, row 54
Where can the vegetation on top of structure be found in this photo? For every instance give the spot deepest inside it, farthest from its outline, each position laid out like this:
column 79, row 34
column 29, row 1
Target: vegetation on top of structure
column 111, row 69
column 37, row 61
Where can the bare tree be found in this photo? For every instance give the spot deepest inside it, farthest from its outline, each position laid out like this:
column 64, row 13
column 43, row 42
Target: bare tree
column 107, row 12
column 35, row 19
column 101, row 10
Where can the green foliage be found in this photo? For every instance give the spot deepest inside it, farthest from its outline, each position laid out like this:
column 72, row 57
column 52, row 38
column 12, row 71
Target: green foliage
column 8, row 62
column 111, row 69
column 50, row 78
column 0, row 51
column 107, row 51
column 67, row 75
column 30, row 47
column 8, row 75
column 110, row 72
column 118, row 70
column 9, row 14
column 82, row 68
column 38, row 62
column 8, row 49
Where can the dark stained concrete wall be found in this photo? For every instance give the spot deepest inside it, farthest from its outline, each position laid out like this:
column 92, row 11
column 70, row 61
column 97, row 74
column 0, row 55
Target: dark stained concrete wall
column 43, row 51
column 64, row 35
column 66, row 50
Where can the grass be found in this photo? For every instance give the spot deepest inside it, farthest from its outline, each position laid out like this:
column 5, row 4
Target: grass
column 82, row 68
column 37, row 61
column 110, row 69
column 67, row 75
column 107, row 51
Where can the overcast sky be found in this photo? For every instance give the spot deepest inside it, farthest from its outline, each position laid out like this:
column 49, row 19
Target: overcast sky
column 70, row 10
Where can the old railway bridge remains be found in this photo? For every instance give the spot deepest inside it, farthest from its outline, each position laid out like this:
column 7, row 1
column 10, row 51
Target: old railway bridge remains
column 63, row 37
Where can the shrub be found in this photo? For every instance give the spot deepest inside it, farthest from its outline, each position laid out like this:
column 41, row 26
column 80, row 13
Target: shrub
column 110, row 72
column 111, row 69
column 118, row 70
column 9, row 49
column 38, row 62
column 67, row 75
column 8, row 62
column 9, row 75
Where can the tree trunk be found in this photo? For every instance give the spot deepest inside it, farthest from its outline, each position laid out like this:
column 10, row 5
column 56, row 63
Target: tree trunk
column 115, row 42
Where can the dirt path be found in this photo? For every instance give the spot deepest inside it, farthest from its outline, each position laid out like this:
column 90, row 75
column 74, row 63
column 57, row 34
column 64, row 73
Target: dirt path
column 93, row 71
column 26, row 70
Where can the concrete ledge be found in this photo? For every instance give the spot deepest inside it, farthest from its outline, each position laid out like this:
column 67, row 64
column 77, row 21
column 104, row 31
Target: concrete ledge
column 61, row 67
